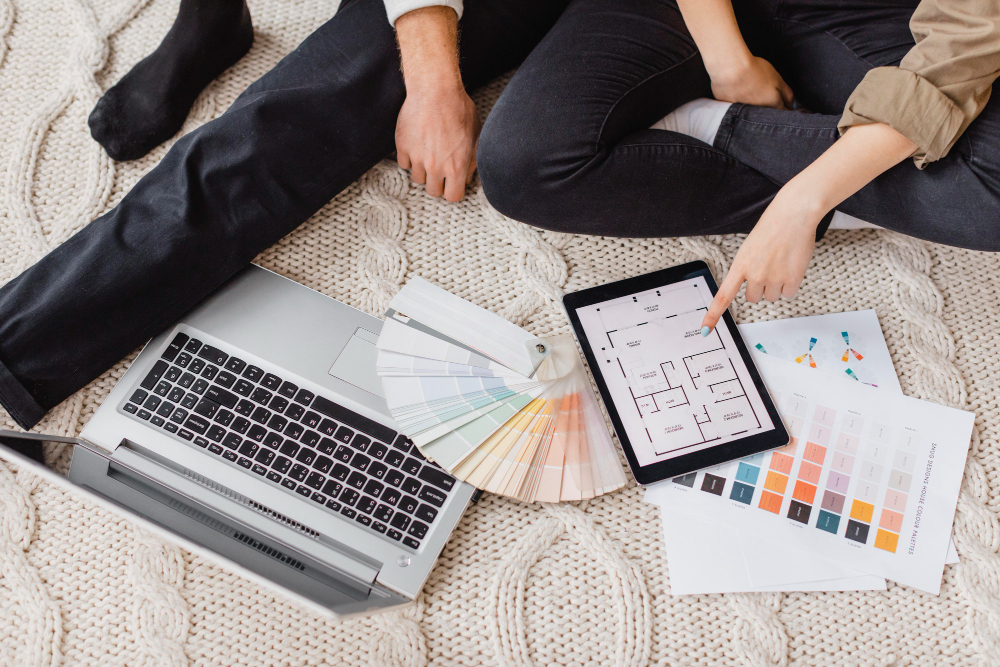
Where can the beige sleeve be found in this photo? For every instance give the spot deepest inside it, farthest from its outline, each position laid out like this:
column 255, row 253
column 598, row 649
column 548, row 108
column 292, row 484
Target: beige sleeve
column 942, row 84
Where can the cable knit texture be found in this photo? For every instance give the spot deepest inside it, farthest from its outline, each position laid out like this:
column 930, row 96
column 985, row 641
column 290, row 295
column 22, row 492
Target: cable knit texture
column 578, row 584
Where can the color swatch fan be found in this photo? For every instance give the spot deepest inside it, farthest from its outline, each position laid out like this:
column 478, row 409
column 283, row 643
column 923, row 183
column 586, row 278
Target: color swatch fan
column 490, row 403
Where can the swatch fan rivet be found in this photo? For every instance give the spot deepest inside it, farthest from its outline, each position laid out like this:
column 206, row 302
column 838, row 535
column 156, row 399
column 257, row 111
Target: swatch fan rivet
column 540, row 348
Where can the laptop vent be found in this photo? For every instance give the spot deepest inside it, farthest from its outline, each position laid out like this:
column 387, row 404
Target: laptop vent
column 268, row 551
column 252, row 504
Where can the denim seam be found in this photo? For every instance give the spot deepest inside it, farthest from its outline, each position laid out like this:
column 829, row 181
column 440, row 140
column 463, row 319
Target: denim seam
column 12, row 404
column 790, row 127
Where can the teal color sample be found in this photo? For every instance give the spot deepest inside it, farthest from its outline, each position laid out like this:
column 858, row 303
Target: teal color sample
column 747, row 473
column 828, row 521
column 741, row 493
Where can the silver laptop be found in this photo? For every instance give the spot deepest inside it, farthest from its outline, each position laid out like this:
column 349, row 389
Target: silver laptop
column 254, row 431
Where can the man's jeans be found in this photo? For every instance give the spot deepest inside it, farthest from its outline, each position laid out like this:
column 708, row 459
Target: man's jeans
column 564, row 148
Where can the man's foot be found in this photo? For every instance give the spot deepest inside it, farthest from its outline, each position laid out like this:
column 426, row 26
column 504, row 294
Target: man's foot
column 699, row 118
column 151, row 102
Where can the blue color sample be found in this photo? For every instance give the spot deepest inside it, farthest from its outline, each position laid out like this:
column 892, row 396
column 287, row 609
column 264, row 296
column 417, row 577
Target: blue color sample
column 742, row 493
column 755, row 460
column 828, row 521
column 747, row 473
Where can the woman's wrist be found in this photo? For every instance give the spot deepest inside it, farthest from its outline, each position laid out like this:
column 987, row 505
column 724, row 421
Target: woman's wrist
column 729, row 63
column 807, row 201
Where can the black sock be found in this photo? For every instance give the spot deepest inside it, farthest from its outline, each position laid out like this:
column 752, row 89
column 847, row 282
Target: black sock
column 150, row 103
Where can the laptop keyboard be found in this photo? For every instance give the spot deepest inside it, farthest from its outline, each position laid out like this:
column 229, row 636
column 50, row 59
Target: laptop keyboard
column 293, row 438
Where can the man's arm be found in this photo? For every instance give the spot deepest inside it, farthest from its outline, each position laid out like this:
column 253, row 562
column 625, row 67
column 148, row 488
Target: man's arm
column 438, row 126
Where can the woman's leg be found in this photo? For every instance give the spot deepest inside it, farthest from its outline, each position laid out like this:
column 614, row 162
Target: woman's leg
column 225, row 192
column 567, row 146
column 824, row 49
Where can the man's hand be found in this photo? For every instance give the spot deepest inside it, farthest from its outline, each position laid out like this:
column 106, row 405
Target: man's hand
column 438, row 126
column 755, row 82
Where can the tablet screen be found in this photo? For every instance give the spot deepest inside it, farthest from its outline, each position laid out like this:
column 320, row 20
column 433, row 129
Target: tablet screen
column 676, row 392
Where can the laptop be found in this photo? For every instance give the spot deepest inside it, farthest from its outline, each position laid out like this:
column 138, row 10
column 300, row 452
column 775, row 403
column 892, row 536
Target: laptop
column 254, row 432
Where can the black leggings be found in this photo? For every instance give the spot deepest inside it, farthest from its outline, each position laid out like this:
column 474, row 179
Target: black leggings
column 567, row 146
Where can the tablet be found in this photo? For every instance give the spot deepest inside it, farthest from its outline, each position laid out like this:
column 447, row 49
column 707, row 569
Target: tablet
column 679, row 401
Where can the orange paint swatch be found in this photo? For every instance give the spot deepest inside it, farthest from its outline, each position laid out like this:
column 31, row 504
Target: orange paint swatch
column 814, row 453
column 770, row 502
column 781, row 463
column 775, row 482
column 804, row 492
column 809, row 472
column 862, row 511
column 886, row 540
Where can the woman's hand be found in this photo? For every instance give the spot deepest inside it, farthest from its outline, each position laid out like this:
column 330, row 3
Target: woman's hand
column 774, row 257
column 755, row 82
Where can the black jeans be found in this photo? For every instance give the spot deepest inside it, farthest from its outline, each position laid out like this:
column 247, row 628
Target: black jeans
column 567, row 146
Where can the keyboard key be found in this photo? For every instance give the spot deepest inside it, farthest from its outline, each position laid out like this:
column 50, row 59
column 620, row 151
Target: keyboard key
column 261, row 415
column 193, row 346
column 436, row 477
column 277, row 423
column 334, row 505
column 318, row 497
column 138, row 396
column 377, row 470
column 253, row 373
column 394, row 458
column 216, row 433
column 400, row 521
column 410, row 542
column 130, row 408
column 315, row 480
column 348, row 512
column 327, row 427
column 383, row 512
column 352, row 419
column 378, row 527
column 361, row 442
column 343, row 453
column 245, row 408
column 259, row 469
column 304, row 490
column 183, row 359
column 189, row 401
column 310, row 438
column 411, row 486
column 281, row 464
column 162, row 389
column 236, row 365
column 195, row 423
column 240, row 425
column 391, row 497
column 298, row 472
column 402, row 443
column 261, row 395
column 213, row 354
column 243, row 388
column 210, row 372
column 176, row 394
column 426, row 513
column 249, row 448
column 327, row 446
column 407, row 504
column 340, row 471
column 366, row 505
column 278, row 403
column 265, row 456
column 373, row 488
column 295, row 411
column 332, row 487
column 199, row 386
column 311, row 420
column 157, row 421
column 395, row 534
column 232, row 441
column 165, row 409
column 415, row 453
column 273, row 440
column 394, row 477
column 172, row 374
column 202, row 442
column 364, row 520
column 411, row 466
column 349, row 496
column 215, row 449
column 257, row 432
column 271, row 381
column 196, row 366
column 226, row 379
column 206, row 408
column 274, row 477
column 187, row 435
column 343, row 434
column 154, row 375
column 288, row 390
column 290, row 448
column 170, row 428
column 289, row 483
column 360, row 462
column 357, row 480
column 432, row 495
column 377, row 450
column 222, row 396
column 304, row 396
column 230, row 455
column 294, row 430
column 323, row 464
column 224, row 417
column 179, row 341
column 305, row 456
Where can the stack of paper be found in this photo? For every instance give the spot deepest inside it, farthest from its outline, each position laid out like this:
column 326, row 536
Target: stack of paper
column 490, row 403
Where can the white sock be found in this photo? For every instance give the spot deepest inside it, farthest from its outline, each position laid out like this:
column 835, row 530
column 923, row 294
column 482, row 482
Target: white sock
column 699, row 118
column 844, row 221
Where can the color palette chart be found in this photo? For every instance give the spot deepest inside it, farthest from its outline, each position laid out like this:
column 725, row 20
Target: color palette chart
column 869, row 479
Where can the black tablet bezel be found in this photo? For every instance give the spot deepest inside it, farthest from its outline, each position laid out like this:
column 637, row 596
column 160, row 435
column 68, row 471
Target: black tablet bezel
column 680, row 465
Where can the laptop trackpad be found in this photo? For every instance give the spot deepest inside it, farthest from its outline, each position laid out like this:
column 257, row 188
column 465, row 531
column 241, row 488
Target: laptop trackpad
column 356, row 363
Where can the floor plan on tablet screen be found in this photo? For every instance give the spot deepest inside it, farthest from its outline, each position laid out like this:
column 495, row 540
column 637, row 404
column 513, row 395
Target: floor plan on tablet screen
column 675, row 390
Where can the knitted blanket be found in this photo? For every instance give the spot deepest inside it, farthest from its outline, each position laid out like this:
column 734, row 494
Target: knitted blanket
column 518, row 584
